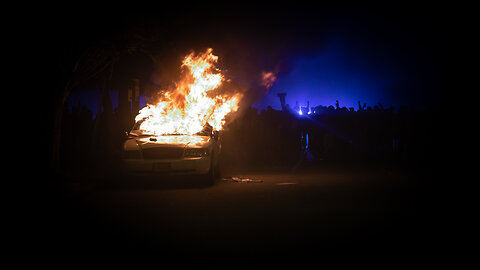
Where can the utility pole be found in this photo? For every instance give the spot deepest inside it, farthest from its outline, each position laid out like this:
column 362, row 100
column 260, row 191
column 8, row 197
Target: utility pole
column 282, row 99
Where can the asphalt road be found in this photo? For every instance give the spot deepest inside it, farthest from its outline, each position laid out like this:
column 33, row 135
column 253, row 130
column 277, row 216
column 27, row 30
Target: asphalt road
column 283, row 214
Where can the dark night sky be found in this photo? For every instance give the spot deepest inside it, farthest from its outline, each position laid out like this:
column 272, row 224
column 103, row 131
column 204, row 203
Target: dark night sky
column 320, row 52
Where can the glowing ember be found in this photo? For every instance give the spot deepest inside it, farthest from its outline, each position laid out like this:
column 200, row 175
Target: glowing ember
column 189, row 108
column 268, row 78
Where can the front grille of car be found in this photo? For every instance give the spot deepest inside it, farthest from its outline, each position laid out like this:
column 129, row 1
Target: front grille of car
column 162, row 153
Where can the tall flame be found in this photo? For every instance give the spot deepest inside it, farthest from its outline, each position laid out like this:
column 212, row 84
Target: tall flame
column 188, row 108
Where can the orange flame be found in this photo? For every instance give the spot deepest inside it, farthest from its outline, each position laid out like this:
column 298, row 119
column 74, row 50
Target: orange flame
column 268, row 78
column 188, row 108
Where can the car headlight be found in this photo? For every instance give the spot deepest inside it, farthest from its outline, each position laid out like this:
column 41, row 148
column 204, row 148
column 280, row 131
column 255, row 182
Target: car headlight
column 196, row 152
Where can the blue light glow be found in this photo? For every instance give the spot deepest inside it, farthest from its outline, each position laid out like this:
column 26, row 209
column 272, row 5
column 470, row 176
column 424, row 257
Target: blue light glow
column 306, row 147
column 339, row 71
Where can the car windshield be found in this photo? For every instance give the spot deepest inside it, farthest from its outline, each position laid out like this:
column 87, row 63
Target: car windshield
column 136, row 131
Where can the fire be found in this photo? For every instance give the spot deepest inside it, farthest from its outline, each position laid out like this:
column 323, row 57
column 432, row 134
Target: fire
column 268, row 78
column 182, row 140
column 189, row 107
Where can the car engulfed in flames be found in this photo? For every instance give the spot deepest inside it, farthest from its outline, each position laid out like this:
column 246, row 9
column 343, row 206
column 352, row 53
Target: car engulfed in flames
column 179, row 134
column 173, row 154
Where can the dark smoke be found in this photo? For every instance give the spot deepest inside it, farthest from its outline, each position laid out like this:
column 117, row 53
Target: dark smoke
column 249, row 42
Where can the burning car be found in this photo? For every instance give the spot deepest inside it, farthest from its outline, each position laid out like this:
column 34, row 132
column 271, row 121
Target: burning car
column 172, row 153
column 179, row 133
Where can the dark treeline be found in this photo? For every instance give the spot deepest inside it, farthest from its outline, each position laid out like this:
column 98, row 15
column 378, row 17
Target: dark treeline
column 272, row 138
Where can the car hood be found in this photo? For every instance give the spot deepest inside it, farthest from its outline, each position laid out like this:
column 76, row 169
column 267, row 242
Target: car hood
column 181, row 141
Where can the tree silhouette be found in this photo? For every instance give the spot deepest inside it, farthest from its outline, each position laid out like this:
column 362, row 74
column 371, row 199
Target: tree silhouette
column 81, row 66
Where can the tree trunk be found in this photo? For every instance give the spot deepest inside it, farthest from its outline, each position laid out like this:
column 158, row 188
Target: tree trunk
column 57, row 128
column 101, row 144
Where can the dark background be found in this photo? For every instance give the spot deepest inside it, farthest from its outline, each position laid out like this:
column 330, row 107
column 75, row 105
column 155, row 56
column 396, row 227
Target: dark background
column 320, row 52
column 400, row 46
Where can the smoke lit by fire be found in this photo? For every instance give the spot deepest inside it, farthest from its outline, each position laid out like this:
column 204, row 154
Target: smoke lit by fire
column 268, row 78
column 190, row 107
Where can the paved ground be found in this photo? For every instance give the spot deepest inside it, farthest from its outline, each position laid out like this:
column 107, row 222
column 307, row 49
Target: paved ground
column 286, row 215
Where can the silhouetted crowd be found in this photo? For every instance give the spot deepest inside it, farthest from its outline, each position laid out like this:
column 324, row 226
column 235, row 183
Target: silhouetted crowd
column 273, row 138
column 302, row 134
